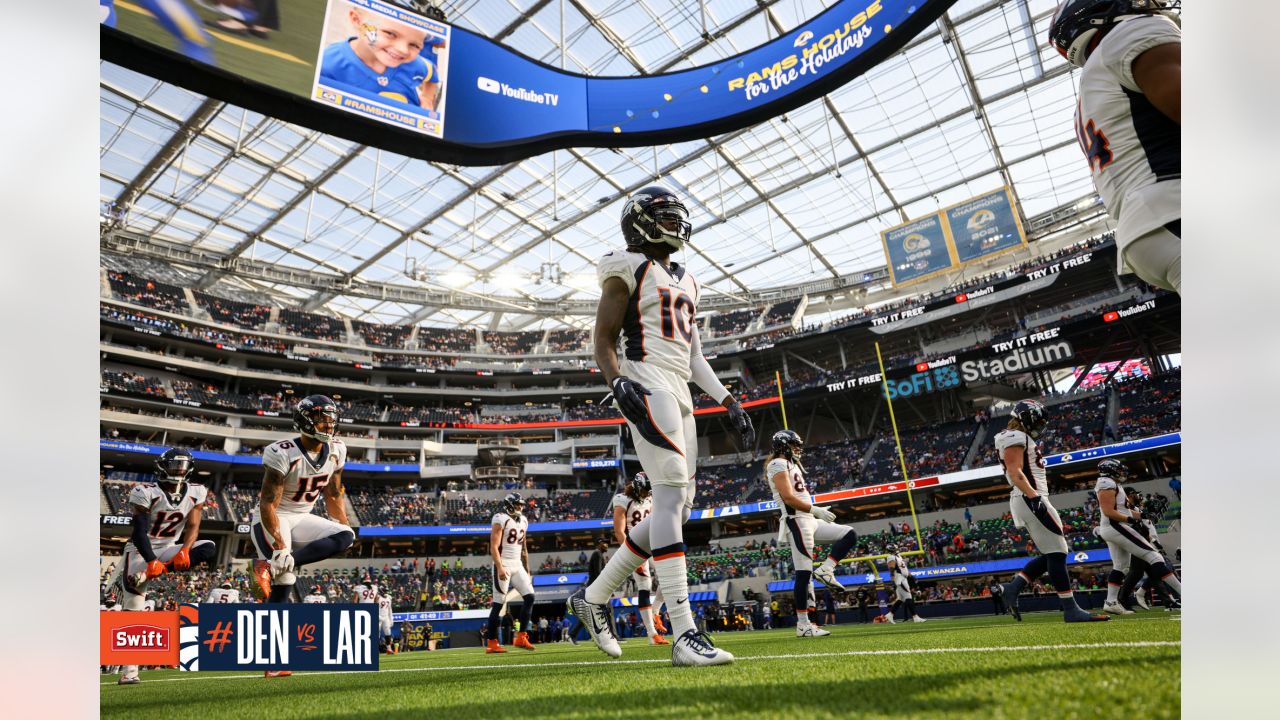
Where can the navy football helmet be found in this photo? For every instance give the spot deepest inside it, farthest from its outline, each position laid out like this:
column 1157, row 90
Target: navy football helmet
column 513, row 503
column 788, row 442
column 1030, row 414
column 173, row 468
column 642, row 484
column 655, row 215
column 1113, row 469
column 309, row 410
column 1078, row 22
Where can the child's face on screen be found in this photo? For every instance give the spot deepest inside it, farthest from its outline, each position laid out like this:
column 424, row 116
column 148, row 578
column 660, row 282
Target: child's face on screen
column 392, row 43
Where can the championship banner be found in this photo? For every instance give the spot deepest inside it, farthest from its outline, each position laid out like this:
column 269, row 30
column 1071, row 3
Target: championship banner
column 917, row 250
column 243, row 636
column 985, row 226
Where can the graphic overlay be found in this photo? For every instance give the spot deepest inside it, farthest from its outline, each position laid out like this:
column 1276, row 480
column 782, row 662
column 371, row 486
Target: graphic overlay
column 384, row 63
column 917, row 250
column 138, row 638
column 246, row 636
column 985, row 226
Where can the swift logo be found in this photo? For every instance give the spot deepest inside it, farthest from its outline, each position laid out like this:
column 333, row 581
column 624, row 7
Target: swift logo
column 140, row 637
column 489, row 85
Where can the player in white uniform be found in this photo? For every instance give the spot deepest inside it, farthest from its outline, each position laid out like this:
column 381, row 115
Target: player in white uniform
column 365, row 592
column 384, row 622
column 1129, row 123
column 805, row 524
column 652, row 302
column 630, row 507
column 295, row 473
column 224, row 593
column 1116, row 527
column 900, row 575
column 162, row 512
column 1029, row 502
column 315, row 596
column 510, row 570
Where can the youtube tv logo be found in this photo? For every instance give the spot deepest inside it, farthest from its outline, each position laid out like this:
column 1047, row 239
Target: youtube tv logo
column 962, row 297
column 921, row 367
column 1111, row 316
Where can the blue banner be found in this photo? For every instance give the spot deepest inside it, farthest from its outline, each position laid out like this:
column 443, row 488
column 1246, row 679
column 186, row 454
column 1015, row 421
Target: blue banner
column 985, row 567
column 293, row 636
column 984, row 226
column 1128, row 446
column 593, row 464
column 411, row 530
column 561, row 579
column 917, row 250
column 148, row 449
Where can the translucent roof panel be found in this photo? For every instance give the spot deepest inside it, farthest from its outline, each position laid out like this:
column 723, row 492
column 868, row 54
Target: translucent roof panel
column 975, row 102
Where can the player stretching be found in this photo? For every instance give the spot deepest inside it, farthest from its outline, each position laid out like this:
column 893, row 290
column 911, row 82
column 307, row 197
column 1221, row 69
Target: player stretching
column 1029, row 502
column 1116, row 527
column 805, row 524
column 161, row 512
column 224, row 593
column 510, row 569
column 631, row 506
column 295, row 473
column 903, row 581
column 653, row 303
column 1129, row 123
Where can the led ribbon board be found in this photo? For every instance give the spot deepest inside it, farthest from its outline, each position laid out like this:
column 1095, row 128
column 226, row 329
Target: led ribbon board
column 458, row 97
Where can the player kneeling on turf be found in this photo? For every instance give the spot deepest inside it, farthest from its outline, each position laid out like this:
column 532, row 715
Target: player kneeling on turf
column 160, row 513
column 805, row 524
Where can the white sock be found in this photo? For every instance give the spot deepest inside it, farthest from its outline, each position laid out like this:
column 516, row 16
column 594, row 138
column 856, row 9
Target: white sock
column 616, row 571
column 130, row 671
column 646, row 616
column 802, row 620
column 1113, row 593
column 673, row 574
column 1172, row 581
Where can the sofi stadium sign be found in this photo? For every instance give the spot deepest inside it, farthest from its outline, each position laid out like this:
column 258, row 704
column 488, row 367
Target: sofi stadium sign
column 947, row 373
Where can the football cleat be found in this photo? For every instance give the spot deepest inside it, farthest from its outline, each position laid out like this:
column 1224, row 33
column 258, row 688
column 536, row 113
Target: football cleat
column 656, row 639
column 494, row 647
column 276, row 673
column 1077, row 615
column 657, row 624
column 1115, row 608
column 917, row 618
column 1011, row 600
column 130, row 676
column 595, row 618
column 261, row 585
column 1141, row 597
column 811, row 631
column 828, row 577
column 695, row 648
column 522, row 641
column 888, row 617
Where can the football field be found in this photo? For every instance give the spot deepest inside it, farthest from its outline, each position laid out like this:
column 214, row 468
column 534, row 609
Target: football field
column 988, row 668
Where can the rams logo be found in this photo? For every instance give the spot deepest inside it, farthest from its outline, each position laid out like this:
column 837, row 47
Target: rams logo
column 979, row 220
column 915, row 242
column 189, row 637
column 803, row 38
column 1081, row 556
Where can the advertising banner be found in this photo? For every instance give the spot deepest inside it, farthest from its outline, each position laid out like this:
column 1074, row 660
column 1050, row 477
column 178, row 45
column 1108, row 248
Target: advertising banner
column 917, row 250
column 984, row 226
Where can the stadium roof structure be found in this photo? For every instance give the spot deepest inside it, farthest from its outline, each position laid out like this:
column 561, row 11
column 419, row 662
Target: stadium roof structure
column 976, row 102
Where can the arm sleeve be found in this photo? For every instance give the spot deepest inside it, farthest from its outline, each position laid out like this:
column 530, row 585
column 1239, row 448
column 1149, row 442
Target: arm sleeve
column 273, row 458
column 616, row 264
column 1133, row 37
column 774, row 467
column 703, row 376
column 141, row 541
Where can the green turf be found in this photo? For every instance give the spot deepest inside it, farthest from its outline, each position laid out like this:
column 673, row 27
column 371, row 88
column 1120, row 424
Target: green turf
column 298, row 37
column 930, row 673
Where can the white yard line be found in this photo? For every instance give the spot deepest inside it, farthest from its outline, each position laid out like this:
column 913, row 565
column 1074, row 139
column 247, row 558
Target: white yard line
column 656, row 661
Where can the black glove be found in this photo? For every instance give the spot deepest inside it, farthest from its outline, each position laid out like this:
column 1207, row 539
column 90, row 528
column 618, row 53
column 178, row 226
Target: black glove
column 746, row 431
column 629, row 396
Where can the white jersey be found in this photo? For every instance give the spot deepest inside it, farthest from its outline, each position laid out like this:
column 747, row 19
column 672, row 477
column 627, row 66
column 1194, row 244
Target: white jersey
column 659, row 326
column 223, row 595
column 795, row 475
column 901, row 569
column 511, row 543
column 1122, row 500
column 149, row 605
column 1032, row 460
column 315, row 598
column 635, row 510
column 384, row 607
column 366, row 593
column 167, row 519
column 304, row 476
column 1133, row 149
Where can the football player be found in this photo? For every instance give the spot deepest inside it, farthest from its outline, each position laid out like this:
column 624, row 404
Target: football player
column 384, row 622
column 900, row 574
column 161, row 513
column 1120, row 525
column 805, row 524
column 295, row 474
column 652, row 302
column 316, row 596
column 1029, row 502
column 224, row 593
column 366, row 591
column 1129, row 123
column 631, row 506
column 510, row 569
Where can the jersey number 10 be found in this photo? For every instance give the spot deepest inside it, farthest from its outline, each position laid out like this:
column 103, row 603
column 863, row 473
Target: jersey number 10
column 676, row 315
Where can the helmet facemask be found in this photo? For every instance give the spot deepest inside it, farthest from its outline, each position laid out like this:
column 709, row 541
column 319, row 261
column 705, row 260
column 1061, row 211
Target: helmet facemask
column 171, row 476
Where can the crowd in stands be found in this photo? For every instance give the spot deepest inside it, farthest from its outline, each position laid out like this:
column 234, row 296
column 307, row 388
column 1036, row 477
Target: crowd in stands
column 378, row 335
column 453, row 340
column 143, row 291
column 1150, row 405
column 231, row 312
column 393, row 506
column 733, row 323
column 781, row 313
column 567, row 341
column 310, row 325
column 512, row 343
column 132, row 382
